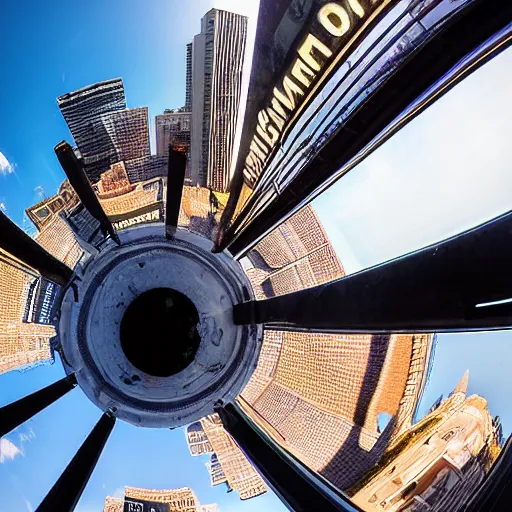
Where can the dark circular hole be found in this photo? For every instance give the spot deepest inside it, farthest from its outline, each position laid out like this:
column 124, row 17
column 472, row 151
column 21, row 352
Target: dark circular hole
column 159, row 332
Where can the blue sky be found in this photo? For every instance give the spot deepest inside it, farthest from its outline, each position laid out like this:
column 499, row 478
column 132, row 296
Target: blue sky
column 441, row 174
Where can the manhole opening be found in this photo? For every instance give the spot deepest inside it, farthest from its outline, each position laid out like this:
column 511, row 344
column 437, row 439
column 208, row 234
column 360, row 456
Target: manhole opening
column 159, row 332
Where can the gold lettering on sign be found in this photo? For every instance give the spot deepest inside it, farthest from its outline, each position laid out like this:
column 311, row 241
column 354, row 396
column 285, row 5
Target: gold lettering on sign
column 302, row 73
column 268, row 132
column 312, row 56
column 306, row 51
column 292, row 90
column 334, row 19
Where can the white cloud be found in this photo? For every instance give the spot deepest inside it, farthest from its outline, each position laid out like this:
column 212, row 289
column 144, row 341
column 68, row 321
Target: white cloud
column 26, row 437
column 3, row 208
column 8, row 450
column 5, row 166
column 29, row 506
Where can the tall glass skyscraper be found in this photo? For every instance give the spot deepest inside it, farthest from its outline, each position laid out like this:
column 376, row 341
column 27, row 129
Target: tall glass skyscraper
column 84, row 112
column 218, row 56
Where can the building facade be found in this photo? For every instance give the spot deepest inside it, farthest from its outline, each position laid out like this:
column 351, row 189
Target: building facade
column 106, row 132
column 84, row 111
column 217, row 63
column 321, row 395
column 128, row 130
column 152, row 500
column 146, row 168
column 24, row 339
column 173, row 127
column 437, row 464
column 188, row 79
column 227, row 465
column 295, row 255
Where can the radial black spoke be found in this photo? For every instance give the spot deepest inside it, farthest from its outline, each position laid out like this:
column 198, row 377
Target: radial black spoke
column 295, row 484
column 495, row 492
column 13, row 415
column 462, row 35
column 78, row 179
column 463, row 283
column 16, row 242
column 66, row 493
column 175, row 180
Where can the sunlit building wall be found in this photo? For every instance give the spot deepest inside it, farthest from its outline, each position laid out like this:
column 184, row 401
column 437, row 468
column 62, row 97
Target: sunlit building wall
column 197, row 440
column 228, row 464
column 60, row 241
column 21, row 343
column 321, row 395
column 295, row 255
column 437, row 464
column 217, row 61
column 177, row 500
column 239, row 472
column 173, row 127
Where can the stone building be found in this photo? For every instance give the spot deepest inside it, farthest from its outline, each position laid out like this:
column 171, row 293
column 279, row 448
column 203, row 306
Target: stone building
column 173, row 127
column 228, row 464
column 437, row 464
column 22, row 342
column 60, row 241
column 321, row 395
column 295, row 255
column 200, row 209
column 147, row 500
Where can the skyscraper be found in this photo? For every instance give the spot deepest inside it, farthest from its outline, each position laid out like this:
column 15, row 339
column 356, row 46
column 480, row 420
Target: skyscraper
column 22, row 342
column 217, row 62
column 175, row 500
column 84, row 112
column 227, row 464
column 188, row 80
column 129, row 132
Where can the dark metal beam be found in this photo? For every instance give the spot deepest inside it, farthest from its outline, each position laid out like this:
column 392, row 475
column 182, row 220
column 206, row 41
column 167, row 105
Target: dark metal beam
column 17, row 243
column 78, row 179
column 444, row 287
column 68, row 489
column 297, row 486
column 495, row 492
column 13, row 415
column 175, row 179
column 471, row 27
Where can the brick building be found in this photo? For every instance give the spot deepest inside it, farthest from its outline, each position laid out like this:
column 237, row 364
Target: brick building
column 321, row 395
column 295, row 255
column 22, row 342
column 172, row 500
column 228, row 464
